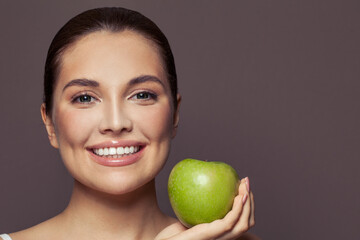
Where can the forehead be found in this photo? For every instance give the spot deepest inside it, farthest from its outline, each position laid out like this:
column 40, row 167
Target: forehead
column 107, row 55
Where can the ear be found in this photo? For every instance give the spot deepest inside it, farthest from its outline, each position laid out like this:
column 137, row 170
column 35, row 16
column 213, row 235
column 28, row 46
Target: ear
column 49, row 127
column 176, row 115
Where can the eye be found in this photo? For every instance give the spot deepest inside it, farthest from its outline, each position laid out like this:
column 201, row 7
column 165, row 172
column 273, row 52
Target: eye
column 83, row 99
column 144, row 96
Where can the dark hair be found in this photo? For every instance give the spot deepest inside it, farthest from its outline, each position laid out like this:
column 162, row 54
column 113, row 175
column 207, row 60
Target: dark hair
column 114, row 19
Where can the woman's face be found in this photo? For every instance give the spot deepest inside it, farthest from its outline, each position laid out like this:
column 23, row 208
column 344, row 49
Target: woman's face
column 112, row 117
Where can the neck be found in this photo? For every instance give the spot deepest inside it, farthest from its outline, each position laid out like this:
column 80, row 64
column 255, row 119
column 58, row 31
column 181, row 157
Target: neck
column 134, row 215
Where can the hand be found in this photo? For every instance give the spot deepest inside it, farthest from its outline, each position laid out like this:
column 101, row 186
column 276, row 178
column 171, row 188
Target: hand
column 239, row 220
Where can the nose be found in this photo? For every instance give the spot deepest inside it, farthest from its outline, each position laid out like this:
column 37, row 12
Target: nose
column 115, row 119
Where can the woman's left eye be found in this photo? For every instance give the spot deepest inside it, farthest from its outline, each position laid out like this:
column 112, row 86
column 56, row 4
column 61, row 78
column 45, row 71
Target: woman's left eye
column 144, row 96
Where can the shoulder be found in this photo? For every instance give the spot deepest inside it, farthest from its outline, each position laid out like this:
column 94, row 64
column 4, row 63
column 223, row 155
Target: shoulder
column 27, row 234
column 36, row 232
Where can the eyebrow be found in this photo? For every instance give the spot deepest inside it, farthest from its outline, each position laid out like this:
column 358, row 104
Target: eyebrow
column 92, row 83
column 145, row 78
column 81, row 82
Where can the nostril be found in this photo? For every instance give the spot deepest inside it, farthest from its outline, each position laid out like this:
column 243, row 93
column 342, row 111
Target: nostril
column 116, row 126
column 115, row 118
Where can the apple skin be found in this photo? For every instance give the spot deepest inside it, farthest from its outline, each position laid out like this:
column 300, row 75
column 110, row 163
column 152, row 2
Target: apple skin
column 201, row 191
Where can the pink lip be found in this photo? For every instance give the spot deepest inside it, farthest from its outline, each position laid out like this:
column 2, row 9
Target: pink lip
column 117, row 162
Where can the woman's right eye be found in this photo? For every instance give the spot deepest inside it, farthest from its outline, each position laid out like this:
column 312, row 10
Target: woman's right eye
column 83, row 99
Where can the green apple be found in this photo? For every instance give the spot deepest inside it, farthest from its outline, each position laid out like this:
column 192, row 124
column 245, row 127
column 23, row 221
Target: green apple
column 201, row 191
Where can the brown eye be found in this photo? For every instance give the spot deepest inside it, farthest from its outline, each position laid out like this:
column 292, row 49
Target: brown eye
column 85, row 98
column 144, row 96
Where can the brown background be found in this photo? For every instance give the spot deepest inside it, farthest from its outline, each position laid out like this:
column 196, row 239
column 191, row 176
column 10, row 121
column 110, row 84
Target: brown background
column 271, row 87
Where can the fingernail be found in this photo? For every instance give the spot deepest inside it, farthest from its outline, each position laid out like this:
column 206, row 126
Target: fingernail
column 244, row 198
column 247, row 181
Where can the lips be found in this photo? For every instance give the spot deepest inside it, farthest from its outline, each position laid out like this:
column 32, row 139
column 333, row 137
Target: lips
column 116, row 153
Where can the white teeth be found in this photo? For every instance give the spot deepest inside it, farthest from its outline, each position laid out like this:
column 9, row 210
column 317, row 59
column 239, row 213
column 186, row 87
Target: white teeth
column 118, row 152
column 112, row 151
column 106, row 151
column 101, row 151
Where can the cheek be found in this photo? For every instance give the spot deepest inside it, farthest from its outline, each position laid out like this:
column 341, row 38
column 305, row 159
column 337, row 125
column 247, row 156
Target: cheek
column 156, row 122
column 73, row 126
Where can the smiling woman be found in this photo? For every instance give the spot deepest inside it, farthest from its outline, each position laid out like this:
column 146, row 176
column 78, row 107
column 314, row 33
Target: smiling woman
column 111, row 107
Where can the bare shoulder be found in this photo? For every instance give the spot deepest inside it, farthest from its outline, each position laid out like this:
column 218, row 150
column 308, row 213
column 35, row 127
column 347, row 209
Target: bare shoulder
column 249, row 236
column 36, row 232
column 29, row 233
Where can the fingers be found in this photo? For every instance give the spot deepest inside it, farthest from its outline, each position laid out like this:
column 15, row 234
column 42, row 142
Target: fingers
column 252, row 203
column 223, row 226
column 233, row 217
column 252, row 215
column 246, row 219
column 217, row 228
column 243, row 223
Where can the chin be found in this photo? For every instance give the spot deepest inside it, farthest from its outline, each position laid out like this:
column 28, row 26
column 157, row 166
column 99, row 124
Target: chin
column 120, row 185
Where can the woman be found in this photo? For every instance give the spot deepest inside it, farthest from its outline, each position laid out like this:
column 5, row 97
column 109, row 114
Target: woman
column 111, row 107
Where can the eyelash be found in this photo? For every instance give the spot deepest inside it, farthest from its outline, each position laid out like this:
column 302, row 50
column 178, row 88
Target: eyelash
column 76, row 99
column 150, row 96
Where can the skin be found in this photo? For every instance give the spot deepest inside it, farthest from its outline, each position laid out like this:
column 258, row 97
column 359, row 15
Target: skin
column 120, row 202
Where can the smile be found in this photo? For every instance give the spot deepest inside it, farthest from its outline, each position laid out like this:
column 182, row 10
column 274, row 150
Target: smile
column 116, row 152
